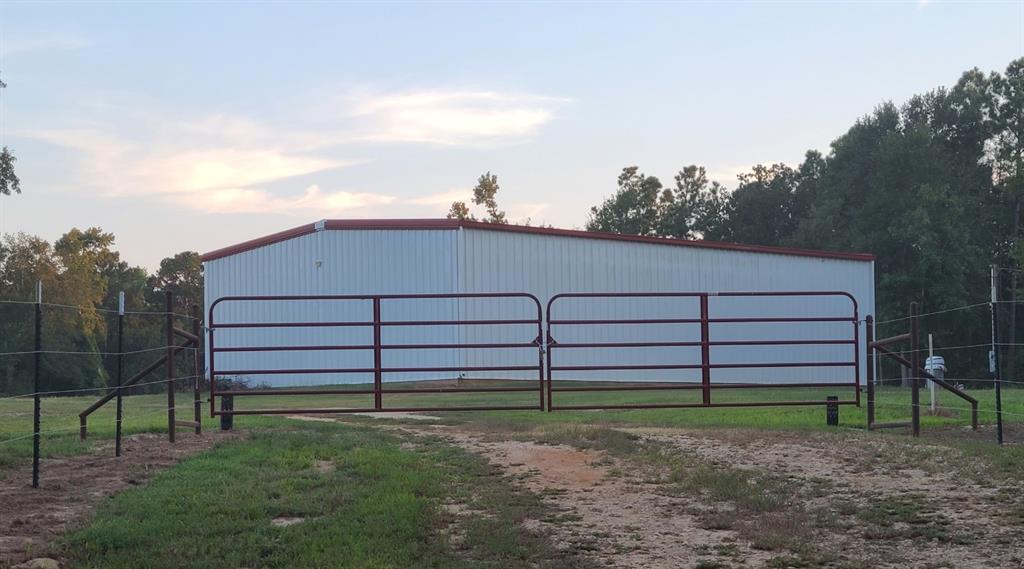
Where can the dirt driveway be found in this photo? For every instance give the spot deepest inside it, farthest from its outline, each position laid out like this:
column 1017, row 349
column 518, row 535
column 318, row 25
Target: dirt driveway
column 684, row 499
column 656, row 498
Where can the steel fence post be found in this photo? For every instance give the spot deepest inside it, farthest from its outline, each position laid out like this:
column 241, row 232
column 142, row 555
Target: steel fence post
column 169, row 309
column 119, row 411
column 869, row 337
column 197, row 381
column 36, row 402
column 915, row 365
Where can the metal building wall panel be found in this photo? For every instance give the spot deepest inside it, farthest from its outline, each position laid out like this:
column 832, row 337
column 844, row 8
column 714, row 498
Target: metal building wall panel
column 335, row 262
column 381, row 261
column 546, row 265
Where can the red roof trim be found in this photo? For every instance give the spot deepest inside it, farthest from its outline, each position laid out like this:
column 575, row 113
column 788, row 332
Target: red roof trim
column 260, row 242
column 342, row 224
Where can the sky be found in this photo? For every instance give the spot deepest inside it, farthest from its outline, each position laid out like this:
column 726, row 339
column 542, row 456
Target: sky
column 193, row 126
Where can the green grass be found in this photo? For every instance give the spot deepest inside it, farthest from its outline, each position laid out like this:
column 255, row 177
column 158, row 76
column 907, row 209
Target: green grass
column 59, row 424
column 905, row 517
column 381, row 507
column 893, row 404
column 146, row 413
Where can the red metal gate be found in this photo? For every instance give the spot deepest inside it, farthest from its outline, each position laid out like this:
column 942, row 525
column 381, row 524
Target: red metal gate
column 702, row 339
column 527, row 326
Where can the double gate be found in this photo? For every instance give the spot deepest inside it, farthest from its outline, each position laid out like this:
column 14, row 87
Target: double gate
column 482, row 344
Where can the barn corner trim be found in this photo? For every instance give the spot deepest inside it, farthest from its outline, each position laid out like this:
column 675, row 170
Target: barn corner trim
column 455, row 224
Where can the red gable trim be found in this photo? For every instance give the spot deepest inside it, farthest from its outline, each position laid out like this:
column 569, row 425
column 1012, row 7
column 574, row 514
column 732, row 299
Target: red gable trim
column 451, row 224
column 259, row 242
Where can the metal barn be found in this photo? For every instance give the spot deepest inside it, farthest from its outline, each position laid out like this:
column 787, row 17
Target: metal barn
column 651, row 325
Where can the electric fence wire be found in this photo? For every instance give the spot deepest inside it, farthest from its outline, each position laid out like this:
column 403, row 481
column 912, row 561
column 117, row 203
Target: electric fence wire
column 963, row 347
column 968, row 409
column 100, row 309
column 108, row 388
column 124, row 419
column 933, row 313
column 40, row 433
column 67, row 352
column 952, row 380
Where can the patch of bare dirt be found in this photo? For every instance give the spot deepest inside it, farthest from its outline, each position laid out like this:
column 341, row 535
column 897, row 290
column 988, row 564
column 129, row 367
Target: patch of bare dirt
column 70, row 488
column 285, row 521
column 323, row 466
column 883, row 503
column 868, row 471
column 619, row 520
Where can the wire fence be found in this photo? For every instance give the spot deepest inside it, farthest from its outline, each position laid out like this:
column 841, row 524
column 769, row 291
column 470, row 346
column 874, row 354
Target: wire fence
column 146, row 411
column 933, row 313
column 102, row 309
column 93, row 353
column 71, row 420
column 108, row 388
column 57, row 395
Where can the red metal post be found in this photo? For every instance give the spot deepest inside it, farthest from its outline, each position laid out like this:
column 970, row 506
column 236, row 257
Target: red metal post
column 213, row 373
column 377, row 379
column 540, row 361
column 705, row 351
column 856, row 353
column 550, row 344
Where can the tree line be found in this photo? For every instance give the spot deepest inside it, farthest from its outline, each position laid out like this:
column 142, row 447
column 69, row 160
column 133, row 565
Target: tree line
column 82, row 275
column 932, row 187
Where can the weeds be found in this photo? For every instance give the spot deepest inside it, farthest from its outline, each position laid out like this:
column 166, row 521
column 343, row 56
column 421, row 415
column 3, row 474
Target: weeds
column 908, row 517
column 380, row 506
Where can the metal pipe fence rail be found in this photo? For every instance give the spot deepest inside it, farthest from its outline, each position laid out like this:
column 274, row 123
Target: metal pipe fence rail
column 705, row 342
column 378, row 347
column 882, row 346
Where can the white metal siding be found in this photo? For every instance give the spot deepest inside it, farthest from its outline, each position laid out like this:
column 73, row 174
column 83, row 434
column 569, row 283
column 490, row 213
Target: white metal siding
column 351, row 262
column 546, row 265
column 397, row 261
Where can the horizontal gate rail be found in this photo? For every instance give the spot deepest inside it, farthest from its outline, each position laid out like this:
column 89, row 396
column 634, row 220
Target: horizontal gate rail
column 369, row 347
column 378, row 347
column 704, row 341
column 685, row 386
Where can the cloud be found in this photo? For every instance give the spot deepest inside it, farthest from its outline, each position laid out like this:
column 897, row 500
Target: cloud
column 116, row 166
column 440, row 202
column 451, row 117
column 220, row 168
column 445, row 198
column 527, row 211
column 19, row 46
column 239, row 164
column 313, row 201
